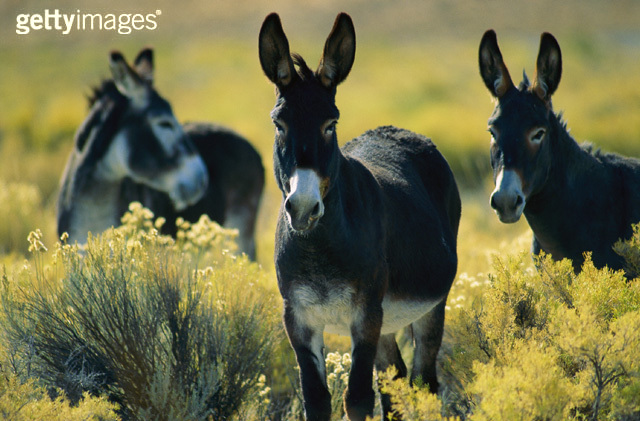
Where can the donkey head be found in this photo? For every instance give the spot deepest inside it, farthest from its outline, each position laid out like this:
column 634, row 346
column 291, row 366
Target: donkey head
column 148, row 144
column 520, row 125
column 306, row 153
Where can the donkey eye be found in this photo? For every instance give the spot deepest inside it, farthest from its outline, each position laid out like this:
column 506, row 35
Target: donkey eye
column 279, row 127
column 493, row 135
column 165, row 124
column 330, row 129
column 538, row 135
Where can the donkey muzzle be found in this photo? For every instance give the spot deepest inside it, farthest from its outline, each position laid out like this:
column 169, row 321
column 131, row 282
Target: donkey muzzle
column 190, row 184
column 507, row 199
column 303, row 205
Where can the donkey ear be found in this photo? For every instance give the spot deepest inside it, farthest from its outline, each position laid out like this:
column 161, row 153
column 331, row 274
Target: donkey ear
column 548, row 68
column 144, row 65
column 492, row 68
column 339, row 52
column 127, row 80
column 273, row 48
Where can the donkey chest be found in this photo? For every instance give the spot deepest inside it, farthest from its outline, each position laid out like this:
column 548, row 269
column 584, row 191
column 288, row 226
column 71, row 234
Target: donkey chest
column 333, row 309
column 340, row 309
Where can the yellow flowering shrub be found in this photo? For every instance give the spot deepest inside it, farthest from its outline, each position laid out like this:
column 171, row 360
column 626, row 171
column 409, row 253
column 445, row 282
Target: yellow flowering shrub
column 411, row 402
column 27, row 401
column 527, row 384
column 545, row 343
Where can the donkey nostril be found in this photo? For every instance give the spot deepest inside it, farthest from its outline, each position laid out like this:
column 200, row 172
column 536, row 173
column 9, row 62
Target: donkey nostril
column 315, row 213
column 493, row 202
column 287, row 205
column 519, row 201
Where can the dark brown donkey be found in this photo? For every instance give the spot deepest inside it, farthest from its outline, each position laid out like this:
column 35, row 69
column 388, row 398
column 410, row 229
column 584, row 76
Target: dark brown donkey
column 575, row 200
column 132, row 148
column 366, row 235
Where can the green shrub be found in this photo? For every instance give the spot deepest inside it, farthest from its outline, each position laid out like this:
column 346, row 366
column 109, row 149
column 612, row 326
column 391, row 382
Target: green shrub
column 133, row 316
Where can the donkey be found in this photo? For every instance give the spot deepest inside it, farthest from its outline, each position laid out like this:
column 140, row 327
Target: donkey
column 131, row 148
column 575, row 200
column 366, row 234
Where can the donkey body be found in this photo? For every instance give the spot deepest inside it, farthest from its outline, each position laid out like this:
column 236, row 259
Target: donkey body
column 131, row 148
column 366, row 235
column 574, row 199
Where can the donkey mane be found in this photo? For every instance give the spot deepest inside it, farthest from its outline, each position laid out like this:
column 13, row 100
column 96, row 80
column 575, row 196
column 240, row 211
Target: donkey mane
column 525, row 84
column 304, row 71
column 582, row 153
column 107, row 88
column 107, row 106
column 570, row 143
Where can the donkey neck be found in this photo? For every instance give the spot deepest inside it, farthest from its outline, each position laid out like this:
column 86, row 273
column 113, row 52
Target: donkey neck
column 552, row 212
column 94, row 205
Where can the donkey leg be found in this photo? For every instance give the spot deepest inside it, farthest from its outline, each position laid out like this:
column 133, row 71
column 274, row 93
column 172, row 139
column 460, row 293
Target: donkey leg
column 359, row 398
column 308, row 343
column 389, row 355
column 427, row 332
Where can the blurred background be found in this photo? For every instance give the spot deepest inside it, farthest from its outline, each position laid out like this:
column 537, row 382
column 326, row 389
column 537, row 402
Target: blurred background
column 416, row 67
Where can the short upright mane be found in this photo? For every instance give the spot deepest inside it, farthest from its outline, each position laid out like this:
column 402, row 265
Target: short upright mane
column 303, row 69
column 525, row 84
column 107, row 88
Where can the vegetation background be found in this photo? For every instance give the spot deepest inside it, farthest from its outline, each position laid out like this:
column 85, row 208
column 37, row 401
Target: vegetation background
column 416, row 67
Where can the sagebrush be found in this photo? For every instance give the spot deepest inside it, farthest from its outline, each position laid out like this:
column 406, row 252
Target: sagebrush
column 132, row 316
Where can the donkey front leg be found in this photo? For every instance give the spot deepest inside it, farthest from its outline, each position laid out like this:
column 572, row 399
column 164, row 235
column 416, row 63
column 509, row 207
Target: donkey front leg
column 359, row 397
column 427, row 333
column 308, row 343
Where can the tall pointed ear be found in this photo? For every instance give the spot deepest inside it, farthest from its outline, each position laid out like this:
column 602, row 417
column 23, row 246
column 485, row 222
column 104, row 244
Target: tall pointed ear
column 275, row 57
column 127, row 80
column 548, row 68
column 492, row 68
column 144, row 65
column 339, row 52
